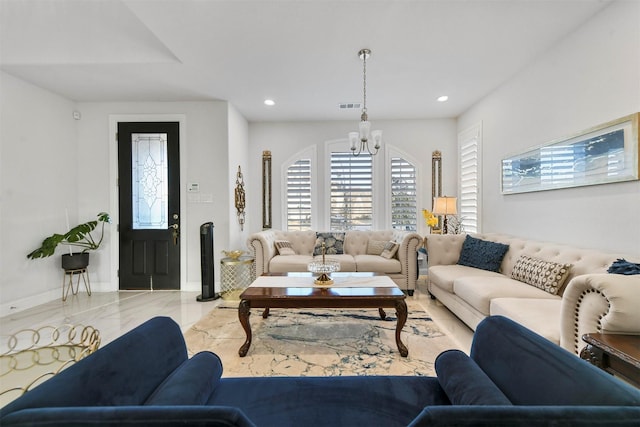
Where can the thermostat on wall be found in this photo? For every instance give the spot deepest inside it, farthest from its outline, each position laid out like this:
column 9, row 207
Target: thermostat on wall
column 193, row 187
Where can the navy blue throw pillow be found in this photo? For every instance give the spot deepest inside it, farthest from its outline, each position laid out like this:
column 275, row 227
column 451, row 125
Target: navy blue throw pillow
column 482, row 254
column 622, row 266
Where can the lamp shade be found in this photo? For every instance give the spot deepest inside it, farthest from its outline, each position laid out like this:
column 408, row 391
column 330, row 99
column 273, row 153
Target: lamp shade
column 365, row 130
column 445, row 205
column 354, row 140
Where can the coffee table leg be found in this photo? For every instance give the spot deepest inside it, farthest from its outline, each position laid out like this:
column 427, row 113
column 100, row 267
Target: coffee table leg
column 265, row 313
column 401, row 313
column 383, row 315
column 244, row 310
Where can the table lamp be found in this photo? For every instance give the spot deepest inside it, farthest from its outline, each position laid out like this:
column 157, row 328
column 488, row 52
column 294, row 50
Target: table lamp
column 445, row 206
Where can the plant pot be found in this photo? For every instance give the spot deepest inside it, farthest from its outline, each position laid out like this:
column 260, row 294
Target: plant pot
column 75, row 261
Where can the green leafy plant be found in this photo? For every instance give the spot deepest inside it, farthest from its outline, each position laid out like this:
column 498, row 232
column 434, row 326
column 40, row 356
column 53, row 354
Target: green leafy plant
column 79, row 236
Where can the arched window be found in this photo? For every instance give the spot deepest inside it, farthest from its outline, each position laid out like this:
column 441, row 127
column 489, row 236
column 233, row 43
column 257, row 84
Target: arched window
column 350, row 192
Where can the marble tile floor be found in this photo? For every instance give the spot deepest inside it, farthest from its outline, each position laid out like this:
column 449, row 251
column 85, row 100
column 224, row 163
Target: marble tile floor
column 115, row 313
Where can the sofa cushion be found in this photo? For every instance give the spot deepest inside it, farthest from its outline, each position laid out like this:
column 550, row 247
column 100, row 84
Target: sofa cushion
column 390, row 249
column 284, row 264
column 443, row 275
column 377, row 264
column 284, row 247
column 375, row 247
column 546, row 275
column 347, row 262
column 464, row 382
column 333, row 243
column 479, row 291
column 542, row 316
column 330, row 401
column 482, row 254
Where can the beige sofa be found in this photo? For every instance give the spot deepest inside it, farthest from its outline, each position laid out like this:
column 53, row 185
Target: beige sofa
column 590, row 301
column 402, row 268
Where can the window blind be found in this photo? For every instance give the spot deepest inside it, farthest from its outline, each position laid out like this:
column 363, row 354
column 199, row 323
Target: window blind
column 403, row 195
column 299, row 195
column 351, row 199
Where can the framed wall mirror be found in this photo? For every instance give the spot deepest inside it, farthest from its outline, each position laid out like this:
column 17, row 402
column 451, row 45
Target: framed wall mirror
column 266, row 189
column 436, row 185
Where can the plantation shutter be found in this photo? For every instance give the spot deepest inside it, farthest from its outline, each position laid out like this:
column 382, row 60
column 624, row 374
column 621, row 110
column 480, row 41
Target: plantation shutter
column 351, row 204
column 469, row 184
column 299, row 195
column 403, row 195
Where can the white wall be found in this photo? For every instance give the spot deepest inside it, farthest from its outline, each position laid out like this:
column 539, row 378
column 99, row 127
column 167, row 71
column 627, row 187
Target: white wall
column 238, row 156
column 38, row 184
column 52, row 164
column 204, row 150
column 418, row 138
column 590, row 78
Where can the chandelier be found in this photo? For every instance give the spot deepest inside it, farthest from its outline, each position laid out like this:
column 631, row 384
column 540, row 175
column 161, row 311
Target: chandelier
column 359, row 141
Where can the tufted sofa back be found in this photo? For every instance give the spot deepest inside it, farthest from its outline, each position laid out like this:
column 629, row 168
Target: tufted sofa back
column 356, row 241
column 445, row 250
column 302, row 242
column 583, row 261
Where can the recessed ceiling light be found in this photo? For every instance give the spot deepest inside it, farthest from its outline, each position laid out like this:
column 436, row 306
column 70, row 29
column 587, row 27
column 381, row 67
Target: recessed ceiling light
column 443, row 98
column 269, row 102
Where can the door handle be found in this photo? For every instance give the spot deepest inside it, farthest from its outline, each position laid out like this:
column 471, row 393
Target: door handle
column 175, row 232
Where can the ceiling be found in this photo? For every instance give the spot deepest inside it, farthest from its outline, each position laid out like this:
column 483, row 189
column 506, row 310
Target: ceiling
column 301, row 54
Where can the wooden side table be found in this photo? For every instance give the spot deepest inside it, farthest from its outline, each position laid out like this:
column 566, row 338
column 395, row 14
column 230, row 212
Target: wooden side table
column 617, row 354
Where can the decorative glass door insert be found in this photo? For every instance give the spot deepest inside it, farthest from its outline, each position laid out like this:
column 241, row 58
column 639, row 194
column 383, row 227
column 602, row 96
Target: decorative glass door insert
column 149, row 173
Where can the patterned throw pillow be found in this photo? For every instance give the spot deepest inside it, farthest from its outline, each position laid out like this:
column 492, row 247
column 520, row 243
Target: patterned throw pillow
column 333, row 243
column 375, row 247
column 390, row 250
column 546, row 275
column 482, row 254
column 284, row 247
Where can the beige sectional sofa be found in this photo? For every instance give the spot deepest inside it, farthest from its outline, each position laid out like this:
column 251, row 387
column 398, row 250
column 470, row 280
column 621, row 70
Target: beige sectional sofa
column 402, row 268
column 591, row 300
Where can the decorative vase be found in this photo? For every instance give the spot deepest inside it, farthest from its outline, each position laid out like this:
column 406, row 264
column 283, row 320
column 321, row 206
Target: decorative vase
column 234, row 255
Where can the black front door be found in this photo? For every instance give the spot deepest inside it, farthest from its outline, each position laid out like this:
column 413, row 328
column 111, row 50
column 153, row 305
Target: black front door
column 149, row 205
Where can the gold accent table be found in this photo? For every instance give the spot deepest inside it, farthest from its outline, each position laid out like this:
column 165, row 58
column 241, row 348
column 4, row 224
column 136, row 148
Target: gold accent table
column 236, row 274
column 31, row 356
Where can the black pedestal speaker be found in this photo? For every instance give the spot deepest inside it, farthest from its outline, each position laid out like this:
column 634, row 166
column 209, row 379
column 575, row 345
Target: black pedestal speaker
column 207, row 263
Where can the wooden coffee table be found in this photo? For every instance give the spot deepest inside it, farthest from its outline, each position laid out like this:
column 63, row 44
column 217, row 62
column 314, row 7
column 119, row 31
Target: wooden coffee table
column 296, row 290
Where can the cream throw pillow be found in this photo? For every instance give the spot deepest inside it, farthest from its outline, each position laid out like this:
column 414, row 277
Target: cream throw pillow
column 375, row 247
column 546, row 275
column 390, row 249
column 284, row 247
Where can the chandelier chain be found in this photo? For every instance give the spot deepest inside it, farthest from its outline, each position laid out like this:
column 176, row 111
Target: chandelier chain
column 364, row 82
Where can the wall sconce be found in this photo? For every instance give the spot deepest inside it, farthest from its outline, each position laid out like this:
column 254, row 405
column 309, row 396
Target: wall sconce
column 445, row 206
column 240, row 198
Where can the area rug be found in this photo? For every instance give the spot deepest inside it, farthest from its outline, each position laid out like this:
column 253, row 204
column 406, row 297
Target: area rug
column 319, row 342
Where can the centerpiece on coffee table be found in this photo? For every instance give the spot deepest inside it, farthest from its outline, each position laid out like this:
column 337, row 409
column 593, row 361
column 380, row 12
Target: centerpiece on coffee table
column 324, row 268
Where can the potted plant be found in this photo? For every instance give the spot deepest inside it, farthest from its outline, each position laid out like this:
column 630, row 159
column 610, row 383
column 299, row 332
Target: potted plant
column 79, row 236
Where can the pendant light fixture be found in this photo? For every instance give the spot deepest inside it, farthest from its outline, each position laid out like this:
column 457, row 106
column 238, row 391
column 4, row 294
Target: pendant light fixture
column 359, row 141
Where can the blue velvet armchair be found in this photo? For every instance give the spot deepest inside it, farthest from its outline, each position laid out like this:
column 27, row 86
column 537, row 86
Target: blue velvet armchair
column 512, row 377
